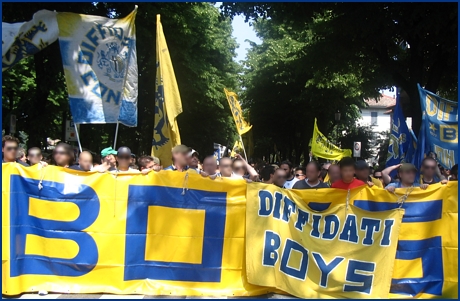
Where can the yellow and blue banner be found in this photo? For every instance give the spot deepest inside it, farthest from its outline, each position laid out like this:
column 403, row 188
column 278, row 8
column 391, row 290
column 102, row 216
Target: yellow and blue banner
column 439, row 129
column 100, row 67
column 241, row 125
column 321, row 147
column 181, row 234
column 168, row 104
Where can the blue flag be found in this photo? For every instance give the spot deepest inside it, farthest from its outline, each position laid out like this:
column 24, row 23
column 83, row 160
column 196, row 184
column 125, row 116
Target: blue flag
column 400, row 137
column 439, row 129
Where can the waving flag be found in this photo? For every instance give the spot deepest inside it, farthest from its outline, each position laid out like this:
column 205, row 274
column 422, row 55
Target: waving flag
column 241, row 125
column 400, row 136
column 100, row 66
column 168, row 104
column 439, row 131
column 321, row 147
column 20, row 40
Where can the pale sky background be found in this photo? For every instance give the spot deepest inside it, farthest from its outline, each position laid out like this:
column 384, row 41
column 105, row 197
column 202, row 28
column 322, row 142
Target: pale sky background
column 243, row 31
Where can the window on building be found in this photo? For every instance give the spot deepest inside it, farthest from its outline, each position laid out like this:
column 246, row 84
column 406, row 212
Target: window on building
column 373, row 118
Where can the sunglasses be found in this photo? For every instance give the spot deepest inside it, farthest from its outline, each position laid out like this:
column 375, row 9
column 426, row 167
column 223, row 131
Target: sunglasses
column 429, row 167
column 238, row 167
column 60, row 153
column 34, row 155
column 299, row 175
column 226, row 166
column 11, row 148
column 378, row 177
column 124, row 157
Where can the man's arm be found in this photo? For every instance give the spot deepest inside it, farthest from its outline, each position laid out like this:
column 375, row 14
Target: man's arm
column 386, row 173
column 253, row 175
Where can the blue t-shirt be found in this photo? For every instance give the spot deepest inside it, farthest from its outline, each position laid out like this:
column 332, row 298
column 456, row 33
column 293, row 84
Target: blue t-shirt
column 399, row 185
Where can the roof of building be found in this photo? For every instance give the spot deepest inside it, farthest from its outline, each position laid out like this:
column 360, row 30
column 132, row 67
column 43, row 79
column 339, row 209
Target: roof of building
column 383, row 102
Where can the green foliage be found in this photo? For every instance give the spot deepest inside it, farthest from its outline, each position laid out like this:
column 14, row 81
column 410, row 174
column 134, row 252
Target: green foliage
column 359, row 133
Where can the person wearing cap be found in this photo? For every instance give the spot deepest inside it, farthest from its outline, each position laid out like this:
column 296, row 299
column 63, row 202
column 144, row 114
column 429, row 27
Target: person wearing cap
column 124, row 160
column 108, row 158
column 362, row 172
column 407, row 173
column 179, row 158
column 193, row 160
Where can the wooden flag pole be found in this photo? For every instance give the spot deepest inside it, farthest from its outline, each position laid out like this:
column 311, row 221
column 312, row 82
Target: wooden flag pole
column 116, row 135
column 244, row 150
column 78, row 137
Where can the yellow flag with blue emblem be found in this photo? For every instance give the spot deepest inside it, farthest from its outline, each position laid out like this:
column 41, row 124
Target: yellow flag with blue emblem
column 168, row 104
column 241, row 125
column 237, row 148
column 321, row 147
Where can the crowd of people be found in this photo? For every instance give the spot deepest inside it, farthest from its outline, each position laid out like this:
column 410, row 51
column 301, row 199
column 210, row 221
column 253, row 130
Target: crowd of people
column 345, row 174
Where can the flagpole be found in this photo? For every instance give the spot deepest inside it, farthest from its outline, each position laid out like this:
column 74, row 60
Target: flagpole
column 244, row 150
column 78, row 136
column 116, row 135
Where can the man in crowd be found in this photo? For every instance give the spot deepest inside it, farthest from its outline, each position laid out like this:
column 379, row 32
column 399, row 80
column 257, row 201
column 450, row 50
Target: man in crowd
column 242, row 169
column 334, row 174
column 347, row 175
column 109, row 162
column 300, row 173
column 454, row 173
column 124, row 160
column 291, row 179
column 10, row 147
column 312, row 181
column 407, row 173
column 362, row 172
column 378, row 176
column 279, row 178
column 193, row 160
column 210, row 167
column 225, row 167
column 267, row 174
column 85, row 161
column 63, row 155
column 21, row 155
column 149, row 163
column 34, row 155
column 428, row 172
column 179, row 158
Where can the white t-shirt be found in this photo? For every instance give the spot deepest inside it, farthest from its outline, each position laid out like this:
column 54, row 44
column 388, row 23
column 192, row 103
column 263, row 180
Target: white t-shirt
column 290, row 183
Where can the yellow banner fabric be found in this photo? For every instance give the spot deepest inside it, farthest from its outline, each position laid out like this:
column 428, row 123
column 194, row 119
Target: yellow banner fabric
column 168, row 104
column 241, row 125
column 321, row 147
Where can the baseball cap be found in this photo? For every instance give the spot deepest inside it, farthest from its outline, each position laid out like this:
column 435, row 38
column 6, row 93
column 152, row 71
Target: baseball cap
column 192, row 152
column 408, row 167
column 180, row 149
column 124, row 150
column 360, row 165
column 108, row 151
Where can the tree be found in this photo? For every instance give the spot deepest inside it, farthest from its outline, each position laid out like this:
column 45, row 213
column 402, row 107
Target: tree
column 380, row 44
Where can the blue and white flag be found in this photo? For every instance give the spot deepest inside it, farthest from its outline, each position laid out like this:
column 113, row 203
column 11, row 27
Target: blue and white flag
column 400, row 136
column 219, row 151
column 439, row 130
column 100, row 66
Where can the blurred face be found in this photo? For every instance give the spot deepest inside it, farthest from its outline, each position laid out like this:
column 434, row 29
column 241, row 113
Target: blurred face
column 110, row 159
column 34, row 157
column 280, row 177
column 300, row 175
column 286, row 169
column 123, row 161
column 61, row 157
column 9, row 151
column 210, row 166
column 180, row 159
column 407, row 177
column 85, row 161
column 239, row 168
column 225, row 167
column 193, row 161
column 334, row 173
column 362, row 174
column 347, row 173
column 312, row 173
column 150, row 165
column 429, row 168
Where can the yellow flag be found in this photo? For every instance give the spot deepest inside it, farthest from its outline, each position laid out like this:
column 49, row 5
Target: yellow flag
column 167, row 102
column 237, row 147
column 321, row 147
column 241, row 125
